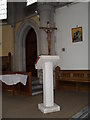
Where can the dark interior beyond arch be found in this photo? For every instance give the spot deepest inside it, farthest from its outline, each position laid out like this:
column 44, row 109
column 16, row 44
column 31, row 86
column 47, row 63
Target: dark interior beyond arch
column 31, row 52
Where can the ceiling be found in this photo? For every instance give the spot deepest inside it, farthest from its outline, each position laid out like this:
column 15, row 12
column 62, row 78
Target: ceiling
column 56, row 4
column 60, row 4
column 18, row 10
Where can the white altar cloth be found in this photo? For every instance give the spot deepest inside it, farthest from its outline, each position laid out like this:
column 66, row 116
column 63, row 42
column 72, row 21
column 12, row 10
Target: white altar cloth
column 12, row 79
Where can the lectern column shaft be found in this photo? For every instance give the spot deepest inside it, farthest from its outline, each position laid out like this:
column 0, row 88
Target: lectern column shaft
column 48, row 84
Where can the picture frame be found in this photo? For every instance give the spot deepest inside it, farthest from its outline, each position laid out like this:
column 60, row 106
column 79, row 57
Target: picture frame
column 77, row 34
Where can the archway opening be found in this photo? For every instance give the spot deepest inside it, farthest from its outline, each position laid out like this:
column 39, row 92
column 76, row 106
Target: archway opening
column 31, row 51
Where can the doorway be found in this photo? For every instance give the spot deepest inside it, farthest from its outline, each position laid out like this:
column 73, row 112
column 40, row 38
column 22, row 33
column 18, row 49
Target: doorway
column 31, row 52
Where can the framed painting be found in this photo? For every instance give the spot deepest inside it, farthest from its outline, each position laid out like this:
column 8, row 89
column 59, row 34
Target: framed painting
column 77, row 34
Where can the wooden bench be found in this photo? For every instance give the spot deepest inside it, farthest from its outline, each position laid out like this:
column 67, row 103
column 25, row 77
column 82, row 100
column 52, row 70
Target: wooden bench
column 5, row 62
column 19, row 87
column 77, row 79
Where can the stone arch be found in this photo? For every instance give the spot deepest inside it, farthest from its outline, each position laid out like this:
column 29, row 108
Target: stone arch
column 20, row 43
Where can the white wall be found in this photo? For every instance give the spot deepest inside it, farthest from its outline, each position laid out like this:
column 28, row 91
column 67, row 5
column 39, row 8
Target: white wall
column 76, row 54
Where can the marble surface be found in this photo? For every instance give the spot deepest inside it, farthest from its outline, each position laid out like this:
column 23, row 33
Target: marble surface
column 43, row 109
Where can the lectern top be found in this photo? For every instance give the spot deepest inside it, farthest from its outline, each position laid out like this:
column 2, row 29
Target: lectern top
column 49, row 57
column 46, row 58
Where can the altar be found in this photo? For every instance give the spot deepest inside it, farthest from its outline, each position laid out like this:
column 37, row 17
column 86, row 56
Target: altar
column 13, row 79
column 13, row 82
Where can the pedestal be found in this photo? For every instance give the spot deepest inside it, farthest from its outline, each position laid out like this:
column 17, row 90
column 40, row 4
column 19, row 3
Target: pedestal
column 46, row 63
column 44, row 109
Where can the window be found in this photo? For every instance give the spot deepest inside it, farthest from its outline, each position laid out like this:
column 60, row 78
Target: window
column 29, row 2
column 3, row 9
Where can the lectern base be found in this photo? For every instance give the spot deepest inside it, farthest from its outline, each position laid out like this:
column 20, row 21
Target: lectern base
column 48, row 109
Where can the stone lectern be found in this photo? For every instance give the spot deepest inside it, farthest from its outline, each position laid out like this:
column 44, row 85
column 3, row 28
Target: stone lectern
column 47, row 62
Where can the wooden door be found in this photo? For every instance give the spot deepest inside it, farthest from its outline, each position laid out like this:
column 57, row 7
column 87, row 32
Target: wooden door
column 31, row 52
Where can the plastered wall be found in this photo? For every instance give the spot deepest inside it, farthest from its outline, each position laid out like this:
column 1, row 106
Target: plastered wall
column 75, row 55
column 7, row 43
column 6, row 40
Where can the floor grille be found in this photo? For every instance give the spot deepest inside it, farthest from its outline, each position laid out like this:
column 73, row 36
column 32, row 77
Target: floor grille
column 84, row 113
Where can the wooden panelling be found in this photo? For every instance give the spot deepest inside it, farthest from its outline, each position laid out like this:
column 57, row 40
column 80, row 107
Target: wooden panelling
column 77, row 80
column 6, row 62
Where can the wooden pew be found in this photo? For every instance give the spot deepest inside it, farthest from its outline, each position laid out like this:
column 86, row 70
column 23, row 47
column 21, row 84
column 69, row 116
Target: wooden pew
column 5, row 68
column 5, row 62
column 78, row 80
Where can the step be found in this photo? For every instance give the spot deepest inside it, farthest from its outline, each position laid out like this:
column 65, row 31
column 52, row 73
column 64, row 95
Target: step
column 37, row 87
column 35, row 78
column 34, row 82
column 37, row 92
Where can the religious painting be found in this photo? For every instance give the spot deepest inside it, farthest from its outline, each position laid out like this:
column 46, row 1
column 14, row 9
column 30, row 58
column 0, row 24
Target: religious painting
column 77, row 34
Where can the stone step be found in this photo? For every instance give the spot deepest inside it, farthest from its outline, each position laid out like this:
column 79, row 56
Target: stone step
column 35, row 82
column 37, row 87
column 36, row 92
column 35, row 78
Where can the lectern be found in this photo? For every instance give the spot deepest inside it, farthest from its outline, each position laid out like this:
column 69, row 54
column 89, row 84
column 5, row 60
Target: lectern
column 47, row 62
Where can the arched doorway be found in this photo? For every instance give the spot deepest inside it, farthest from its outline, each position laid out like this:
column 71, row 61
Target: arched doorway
column 21, row 40
column 31, row 51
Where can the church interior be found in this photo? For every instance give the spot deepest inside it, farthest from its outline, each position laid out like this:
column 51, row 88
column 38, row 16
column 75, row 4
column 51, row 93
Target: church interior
column 32, row 33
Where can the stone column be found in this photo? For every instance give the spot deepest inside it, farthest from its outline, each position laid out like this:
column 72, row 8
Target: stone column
column 48, row 99
column 46, row 12
column 13, row 41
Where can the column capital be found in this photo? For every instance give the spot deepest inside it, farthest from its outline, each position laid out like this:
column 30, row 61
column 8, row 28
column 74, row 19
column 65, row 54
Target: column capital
column 44, row 6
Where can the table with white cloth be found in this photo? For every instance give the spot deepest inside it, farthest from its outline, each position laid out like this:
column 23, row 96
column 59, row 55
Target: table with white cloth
column 13, row 79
